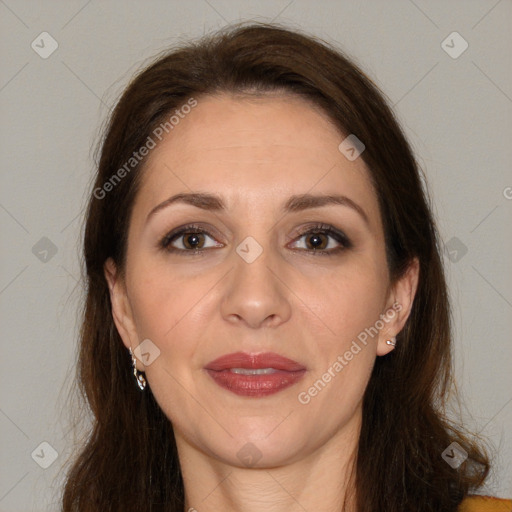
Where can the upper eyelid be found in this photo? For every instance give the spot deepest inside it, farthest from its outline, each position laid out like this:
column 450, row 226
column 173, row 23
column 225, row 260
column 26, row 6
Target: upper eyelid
column 311, row 227
column 212, row 232
column 180, row 231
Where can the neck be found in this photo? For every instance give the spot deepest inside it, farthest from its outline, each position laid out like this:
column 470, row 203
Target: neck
column 320, row 480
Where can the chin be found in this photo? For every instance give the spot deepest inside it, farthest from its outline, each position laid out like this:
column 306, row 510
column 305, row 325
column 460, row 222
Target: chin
column 262, row 445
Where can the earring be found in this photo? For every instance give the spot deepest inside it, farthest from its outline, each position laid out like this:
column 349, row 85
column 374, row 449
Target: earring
column 141, row 381
column 392, row 341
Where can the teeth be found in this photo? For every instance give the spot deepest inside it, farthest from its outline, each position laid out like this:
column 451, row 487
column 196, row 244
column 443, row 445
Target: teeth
column 247, row 371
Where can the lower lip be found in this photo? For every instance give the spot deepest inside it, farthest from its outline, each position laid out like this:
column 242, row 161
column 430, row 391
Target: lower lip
column 255, row 385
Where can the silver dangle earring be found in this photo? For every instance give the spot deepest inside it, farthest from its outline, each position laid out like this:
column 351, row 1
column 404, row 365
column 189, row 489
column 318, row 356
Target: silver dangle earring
column 392, row 341
column 141, row 381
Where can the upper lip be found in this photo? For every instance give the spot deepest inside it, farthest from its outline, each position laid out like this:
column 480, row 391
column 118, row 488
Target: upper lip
column 254, row 361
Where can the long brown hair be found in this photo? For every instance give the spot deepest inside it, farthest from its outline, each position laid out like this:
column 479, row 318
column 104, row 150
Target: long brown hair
column 129, row 461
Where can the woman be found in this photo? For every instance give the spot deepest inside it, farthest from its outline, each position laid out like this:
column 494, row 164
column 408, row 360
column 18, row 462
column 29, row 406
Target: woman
column 260, row 249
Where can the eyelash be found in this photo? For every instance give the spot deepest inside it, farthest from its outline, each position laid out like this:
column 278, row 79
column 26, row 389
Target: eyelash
column 324, row 229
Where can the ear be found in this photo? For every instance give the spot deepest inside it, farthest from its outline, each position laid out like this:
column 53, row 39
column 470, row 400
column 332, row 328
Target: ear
column 398, row 307
column 121, row 310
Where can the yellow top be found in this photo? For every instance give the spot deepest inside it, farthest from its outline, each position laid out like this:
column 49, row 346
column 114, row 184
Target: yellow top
column 485, row 504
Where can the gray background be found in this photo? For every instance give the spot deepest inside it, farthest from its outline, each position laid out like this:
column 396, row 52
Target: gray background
column 456, row 113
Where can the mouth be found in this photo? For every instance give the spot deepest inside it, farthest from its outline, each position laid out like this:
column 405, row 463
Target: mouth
column 255, row 375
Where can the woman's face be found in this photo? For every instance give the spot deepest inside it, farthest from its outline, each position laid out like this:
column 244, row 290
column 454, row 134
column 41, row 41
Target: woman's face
column 246, row 279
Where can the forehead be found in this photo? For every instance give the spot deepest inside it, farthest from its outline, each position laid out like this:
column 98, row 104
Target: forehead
column 250, row 149
column 252, row 128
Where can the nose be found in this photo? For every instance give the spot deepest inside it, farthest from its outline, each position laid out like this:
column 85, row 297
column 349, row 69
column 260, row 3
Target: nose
column 255, row 293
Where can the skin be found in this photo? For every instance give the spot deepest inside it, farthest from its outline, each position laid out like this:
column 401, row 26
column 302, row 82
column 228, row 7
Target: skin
column 255, row 153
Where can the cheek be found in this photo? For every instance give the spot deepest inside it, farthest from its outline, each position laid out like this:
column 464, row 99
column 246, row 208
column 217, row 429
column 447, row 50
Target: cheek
column 163, row 300
column 167, row 309
column 349, row 308
column 345, row 354
column 174, row 312
column 348, row 301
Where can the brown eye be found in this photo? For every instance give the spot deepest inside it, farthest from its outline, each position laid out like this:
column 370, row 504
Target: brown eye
column 188, row 239
column 316, row 241
column 193, row 240
column 323, row 239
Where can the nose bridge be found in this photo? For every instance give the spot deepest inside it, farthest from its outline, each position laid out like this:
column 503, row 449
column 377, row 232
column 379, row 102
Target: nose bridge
column 254, row 294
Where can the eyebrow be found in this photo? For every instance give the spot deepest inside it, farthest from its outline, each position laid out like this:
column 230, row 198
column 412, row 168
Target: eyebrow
column 295, row 203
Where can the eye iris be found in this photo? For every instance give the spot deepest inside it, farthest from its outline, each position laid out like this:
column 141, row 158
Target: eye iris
column 193, row 240
column 317, row 243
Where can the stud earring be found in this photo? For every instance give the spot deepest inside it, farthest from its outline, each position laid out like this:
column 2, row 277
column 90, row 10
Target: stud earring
column 392, row 341
column 141, row 381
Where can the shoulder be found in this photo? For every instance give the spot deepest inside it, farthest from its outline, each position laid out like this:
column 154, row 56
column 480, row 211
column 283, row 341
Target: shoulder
column 485, row 504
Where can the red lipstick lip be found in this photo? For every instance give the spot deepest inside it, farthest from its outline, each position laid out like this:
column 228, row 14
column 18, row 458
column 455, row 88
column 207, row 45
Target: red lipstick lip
column 286, row 372
column 254, row 362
